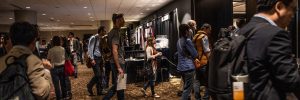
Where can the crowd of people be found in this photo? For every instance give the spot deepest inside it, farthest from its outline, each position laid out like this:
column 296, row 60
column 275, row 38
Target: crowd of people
column 272, row 70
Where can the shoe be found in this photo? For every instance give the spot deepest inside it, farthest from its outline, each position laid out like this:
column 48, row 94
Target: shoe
column 90, row 91
column 143, row 91
column 156, row 96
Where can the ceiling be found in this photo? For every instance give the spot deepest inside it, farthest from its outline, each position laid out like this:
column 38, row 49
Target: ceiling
column 83, row 14
column 78, row 14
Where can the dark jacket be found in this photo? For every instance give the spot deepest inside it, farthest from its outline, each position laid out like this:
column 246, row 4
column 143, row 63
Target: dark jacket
column 272, row 69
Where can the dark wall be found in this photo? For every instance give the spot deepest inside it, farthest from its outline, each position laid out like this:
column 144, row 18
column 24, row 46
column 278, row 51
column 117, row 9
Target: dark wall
column 184, row 11
column 184, row 14
column 217, row 13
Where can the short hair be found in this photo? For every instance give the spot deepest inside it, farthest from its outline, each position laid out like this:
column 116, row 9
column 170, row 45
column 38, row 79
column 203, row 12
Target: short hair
column 267, row 5
column 182, row 30
column 205, row 26
column 190, row 22
column 23, row 33
column 56, row 41
column 101, row 28
column 116, row 16
column 71, row 33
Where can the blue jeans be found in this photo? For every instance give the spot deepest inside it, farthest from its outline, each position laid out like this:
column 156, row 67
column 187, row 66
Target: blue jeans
column 150, row 82
column 188, row 79
column 74, row 62
column 107, row 73
column 113, row 89
column 97, row 76
column 58, row 78
column 200, row 75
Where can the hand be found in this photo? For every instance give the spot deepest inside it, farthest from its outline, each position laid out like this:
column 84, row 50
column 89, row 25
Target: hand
column 46, row 64
column 93, row 62
column 121, row 73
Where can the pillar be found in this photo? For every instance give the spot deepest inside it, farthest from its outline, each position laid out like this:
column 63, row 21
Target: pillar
column 26, row 15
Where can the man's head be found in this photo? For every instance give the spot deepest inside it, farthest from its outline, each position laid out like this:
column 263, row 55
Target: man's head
column 192, row 24
column 23, row 33
column 101, row 31
column 56, row 40
column 206, row 28
column 184, row 30
column 280, row 11
column 118, row 20
column 71, row 35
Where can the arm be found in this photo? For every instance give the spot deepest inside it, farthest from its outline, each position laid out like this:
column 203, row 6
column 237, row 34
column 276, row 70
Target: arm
column 284, row 71
column 149, row 52
column 190, row 47
column 205, row 45
column 39, row 78
column 91, row 47
column 115, row 43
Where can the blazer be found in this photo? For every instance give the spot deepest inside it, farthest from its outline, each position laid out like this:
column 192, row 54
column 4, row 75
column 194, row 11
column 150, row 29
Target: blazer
column 272, row 69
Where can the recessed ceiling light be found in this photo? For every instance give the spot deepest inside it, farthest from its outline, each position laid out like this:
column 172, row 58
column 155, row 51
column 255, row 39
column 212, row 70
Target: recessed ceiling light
column 71, row 23
column 89, row 14
column 92, row 20
column 27, row 7
column 58, row 20
column 85, row 7
column 154, row 5
column 91, row 17
column 44, row 14
column 148, row 9
column 141, row 13
column 10, row 18
column 52, row 18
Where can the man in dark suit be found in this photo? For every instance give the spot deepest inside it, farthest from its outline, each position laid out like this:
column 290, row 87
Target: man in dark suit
column 272, row 69
column 74, row 46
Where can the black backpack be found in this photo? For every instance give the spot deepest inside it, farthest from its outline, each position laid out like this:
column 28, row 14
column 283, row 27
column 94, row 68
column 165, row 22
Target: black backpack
column 14, row 82
column 228, row 58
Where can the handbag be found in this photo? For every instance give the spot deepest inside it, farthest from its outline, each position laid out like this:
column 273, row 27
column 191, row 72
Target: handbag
column 69, row 69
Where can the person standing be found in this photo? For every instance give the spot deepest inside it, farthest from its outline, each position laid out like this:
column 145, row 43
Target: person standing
column 115, row 41
column 106, row 55
column 186, row 56
column 23, row 36
column 74, row 46
column 96, row 58
column 56, row 55
column 203, row 48
column 273, row 72
column 151, row 67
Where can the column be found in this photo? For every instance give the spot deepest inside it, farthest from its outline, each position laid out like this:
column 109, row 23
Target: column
column 26, row 15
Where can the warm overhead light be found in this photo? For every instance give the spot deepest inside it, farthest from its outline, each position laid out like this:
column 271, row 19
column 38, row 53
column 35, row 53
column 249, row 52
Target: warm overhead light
column 141, row 13
column 10, row 18
column 52, row 18
column 154, row 5
column 71, row 23
column 92, row 20
column 91, row 17
column 27, row 7
column 44, row 14
column 85, row 7
column 148, row 9
column 89, row 14
column 58, row 20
